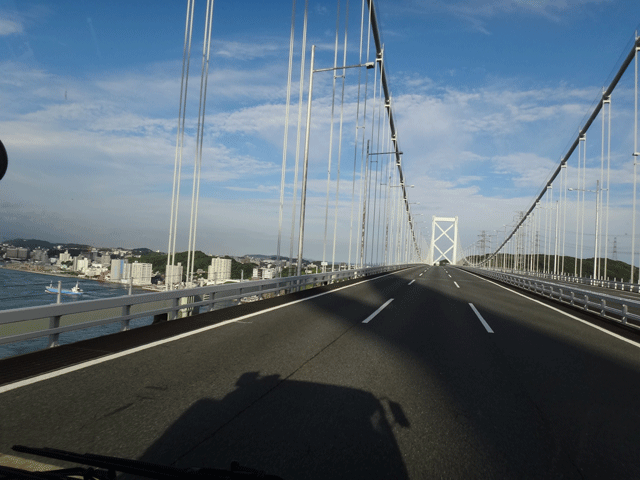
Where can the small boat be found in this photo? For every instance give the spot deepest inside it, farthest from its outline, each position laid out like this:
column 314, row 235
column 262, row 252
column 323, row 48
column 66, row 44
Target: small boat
column 252, row 298
column 74, row 291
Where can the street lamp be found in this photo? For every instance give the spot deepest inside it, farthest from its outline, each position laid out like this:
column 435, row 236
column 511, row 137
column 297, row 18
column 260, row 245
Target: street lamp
column 368, row 65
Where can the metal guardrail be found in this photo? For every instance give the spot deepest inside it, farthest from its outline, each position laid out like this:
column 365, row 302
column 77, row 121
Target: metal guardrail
column 612, row 284
column 174, row 303
column 602, row 304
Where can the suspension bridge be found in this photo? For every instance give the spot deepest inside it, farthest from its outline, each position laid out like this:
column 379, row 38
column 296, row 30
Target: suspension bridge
column 516, row 356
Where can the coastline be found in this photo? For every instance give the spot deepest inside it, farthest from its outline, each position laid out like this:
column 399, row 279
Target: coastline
column 53, row 274
column 21, row 268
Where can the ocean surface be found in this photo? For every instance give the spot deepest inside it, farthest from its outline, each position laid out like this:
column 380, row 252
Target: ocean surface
column 25, row 289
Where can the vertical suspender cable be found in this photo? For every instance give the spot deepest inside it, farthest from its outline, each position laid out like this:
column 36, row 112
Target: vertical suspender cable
column 577, row 210
column 598, row 255
column 206, row 50
column 286, row 136
column 376, row 222
column 635, row 167
column 344, row 64
column 300, row 99
column 371, row 230
column 583, row 188
column 333, row 105
column 564, row 216
column 184, row 81
column 355, row 143
column 364, row 163
column 606, row 228
column 305, row 167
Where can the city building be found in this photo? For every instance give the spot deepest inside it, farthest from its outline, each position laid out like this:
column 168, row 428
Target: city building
column 117, row 270
column 173, row 274
column 39, row 255
column 141, row 273
column 17, row 253
column 64, row 257
column 219, row 270
column 80, row 264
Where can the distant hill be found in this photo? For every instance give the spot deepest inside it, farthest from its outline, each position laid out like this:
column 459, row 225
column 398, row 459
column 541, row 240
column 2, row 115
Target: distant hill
column 30, row 243
column 144, row 251
column 35, row 243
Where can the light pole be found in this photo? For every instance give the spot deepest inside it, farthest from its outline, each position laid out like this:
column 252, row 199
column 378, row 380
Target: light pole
column 306, row 149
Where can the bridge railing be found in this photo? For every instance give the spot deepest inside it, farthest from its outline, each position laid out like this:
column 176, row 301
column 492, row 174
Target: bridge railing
column 620, row 309
column 22, row 324
column 612, row 284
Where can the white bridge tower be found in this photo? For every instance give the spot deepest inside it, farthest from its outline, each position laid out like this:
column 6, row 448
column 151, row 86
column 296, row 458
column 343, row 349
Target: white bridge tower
column 448, row 244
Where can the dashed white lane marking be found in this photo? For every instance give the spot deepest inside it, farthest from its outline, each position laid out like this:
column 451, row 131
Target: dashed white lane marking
column 96, row 361
column 412, row 281
column 420, row 275
column 619, row 337
column 371, row 317
column 456, row 284
column 486, row 325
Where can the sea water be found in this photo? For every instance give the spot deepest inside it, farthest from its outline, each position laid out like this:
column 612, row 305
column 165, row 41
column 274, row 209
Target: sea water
column 19, row 289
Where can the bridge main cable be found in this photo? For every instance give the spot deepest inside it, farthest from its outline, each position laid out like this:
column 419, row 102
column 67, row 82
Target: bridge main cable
column 605, row 95
column 392, row 126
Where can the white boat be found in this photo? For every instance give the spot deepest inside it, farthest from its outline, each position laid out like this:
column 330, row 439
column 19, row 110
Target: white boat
column 74, row 291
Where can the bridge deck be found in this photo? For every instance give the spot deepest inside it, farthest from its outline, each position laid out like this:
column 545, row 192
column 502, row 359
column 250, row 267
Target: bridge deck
column 421, row 390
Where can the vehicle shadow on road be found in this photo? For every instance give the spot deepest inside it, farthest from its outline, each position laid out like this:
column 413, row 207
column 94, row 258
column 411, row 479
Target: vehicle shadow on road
column 294, row 429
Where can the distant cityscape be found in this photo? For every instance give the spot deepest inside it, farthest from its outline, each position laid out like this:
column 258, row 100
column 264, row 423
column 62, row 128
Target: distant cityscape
column 130, row 266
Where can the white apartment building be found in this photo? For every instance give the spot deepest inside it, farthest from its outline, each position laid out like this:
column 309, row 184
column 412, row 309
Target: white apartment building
column 117, row 270
column 80, row 264
column 64, row 257
column 219, row 270
column 141, row 273
column 267, row 273
column 173, row 275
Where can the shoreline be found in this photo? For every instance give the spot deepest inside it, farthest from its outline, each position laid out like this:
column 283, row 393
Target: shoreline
column 21, row 268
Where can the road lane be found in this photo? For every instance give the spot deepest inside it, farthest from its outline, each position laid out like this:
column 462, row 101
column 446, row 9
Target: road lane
column 310, row 391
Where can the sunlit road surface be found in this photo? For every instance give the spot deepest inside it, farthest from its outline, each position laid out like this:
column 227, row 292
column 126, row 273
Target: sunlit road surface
column 425, row 373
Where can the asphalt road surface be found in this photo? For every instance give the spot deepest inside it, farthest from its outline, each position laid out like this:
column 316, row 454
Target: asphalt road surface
column 424, row 373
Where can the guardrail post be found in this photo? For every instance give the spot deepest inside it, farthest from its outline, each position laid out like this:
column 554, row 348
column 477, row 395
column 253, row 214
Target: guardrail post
column 175, row 303
column 573, row 298
column 603, row 305
column 54, row 322
column 561, row 295
column 124, row 325
column 586, row 302
column 625, row 311
column 59, row 296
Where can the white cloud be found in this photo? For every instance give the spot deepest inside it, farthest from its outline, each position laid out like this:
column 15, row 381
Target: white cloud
column 10, row 27
column 245, row 51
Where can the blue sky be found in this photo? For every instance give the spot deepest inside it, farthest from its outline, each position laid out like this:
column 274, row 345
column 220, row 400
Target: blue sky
column 487, row 96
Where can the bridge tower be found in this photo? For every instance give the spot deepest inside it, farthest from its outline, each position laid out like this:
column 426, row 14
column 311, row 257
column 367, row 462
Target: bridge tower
column 448, row 243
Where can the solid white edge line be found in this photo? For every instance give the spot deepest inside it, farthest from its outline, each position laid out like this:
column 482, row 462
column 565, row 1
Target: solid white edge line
column 456, row 284
column 382, row 307
column 80, row 366
column 486, row 325
column 604, row 330
column 412, row 281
